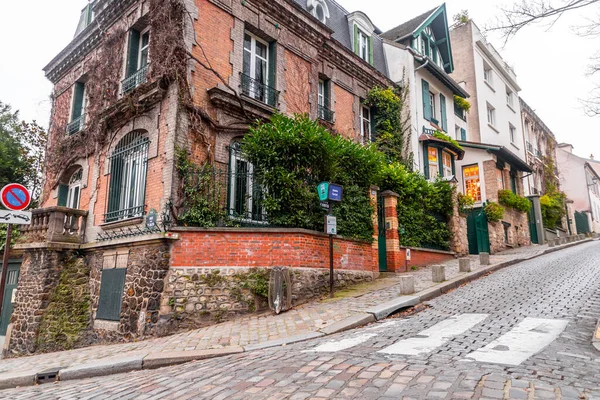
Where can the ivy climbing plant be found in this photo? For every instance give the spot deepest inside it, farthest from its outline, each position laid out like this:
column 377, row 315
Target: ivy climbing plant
column 391, row 123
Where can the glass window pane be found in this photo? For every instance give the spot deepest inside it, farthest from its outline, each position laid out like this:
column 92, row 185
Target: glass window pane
column 261, row 71
column 246, row 66
column 247, row 42
column 261, row 50
column 145, row 39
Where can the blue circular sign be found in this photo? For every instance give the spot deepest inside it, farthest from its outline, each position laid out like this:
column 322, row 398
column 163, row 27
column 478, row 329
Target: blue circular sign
column 15, row 197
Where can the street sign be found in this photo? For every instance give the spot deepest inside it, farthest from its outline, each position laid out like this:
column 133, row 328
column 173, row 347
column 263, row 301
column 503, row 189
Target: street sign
column 151, row 219
column 324, row 205
column 407, row 254
column 335, row 192
column 15, row 217
column 15, row 197
column 323, row 190
column 331, row 223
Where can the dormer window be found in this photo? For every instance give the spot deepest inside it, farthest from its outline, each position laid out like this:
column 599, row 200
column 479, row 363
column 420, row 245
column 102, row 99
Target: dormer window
column 319, row 9
column 362, row 39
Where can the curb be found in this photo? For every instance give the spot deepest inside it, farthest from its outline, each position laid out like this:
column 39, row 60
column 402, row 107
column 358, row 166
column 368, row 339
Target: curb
column 157, row 360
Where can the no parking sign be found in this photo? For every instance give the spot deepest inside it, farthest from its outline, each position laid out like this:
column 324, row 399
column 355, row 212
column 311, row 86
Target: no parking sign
column 15, row 197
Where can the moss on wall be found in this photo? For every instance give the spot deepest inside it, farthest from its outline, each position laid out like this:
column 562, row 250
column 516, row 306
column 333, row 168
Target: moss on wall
column 69, row 311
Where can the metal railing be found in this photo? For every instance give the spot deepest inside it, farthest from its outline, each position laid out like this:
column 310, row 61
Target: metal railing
column 460, row 113
column 259, row 91
column 135, row 79
column 55, row 224
column 325, row 113
column 529, row 147
column 76, row 125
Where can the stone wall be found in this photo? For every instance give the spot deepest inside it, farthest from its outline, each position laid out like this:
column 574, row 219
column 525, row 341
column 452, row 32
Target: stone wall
column 518, row 231
column 459, row 242
column 196, row 297
column 40, row 273
column 147, row 267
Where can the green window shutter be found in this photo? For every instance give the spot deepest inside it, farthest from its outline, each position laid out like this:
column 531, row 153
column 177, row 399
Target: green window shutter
column 111, row 294
column 271, row 98
column 453, row 166
column 133, row 52
column 440, row 162
column 425, row 162
column 63, row 194
column 426, row 104
column 463, row 134
column 443, row 112
column 356, row 51
column 373, row 131
column 513, row 182
column 371, row 50
column 78, row 100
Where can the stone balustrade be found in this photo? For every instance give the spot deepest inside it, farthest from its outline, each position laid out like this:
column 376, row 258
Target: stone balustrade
column 56, row 225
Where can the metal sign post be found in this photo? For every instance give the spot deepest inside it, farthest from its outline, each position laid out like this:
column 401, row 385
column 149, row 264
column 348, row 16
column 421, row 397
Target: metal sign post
column 16, row 198
column 329, row 193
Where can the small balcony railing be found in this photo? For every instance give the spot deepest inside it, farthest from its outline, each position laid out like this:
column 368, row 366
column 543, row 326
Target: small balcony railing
column 135, row 80
column 55, row 224
column 325, row 113
column 259, row 91
column 76, row 125
column 529, row 147
column 126, row 213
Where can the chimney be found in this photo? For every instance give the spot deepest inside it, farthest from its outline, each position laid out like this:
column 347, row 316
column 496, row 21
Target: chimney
column 592, row 157
column 566, row 147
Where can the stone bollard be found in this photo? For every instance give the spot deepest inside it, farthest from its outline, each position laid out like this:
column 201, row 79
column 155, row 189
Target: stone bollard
column 563, row 240
column 438, row 273
column 464, row 264
column 407, row 285
column 484, row 258
column 551, row 243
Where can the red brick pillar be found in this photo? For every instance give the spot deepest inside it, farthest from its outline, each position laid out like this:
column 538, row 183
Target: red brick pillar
column 392, row 236
column 375, row 265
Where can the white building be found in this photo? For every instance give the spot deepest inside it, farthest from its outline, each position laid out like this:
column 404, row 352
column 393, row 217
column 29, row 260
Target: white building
column 418, row 53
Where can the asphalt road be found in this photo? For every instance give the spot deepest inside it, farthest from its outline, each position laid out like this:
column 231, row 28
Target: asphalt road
column 522, row 332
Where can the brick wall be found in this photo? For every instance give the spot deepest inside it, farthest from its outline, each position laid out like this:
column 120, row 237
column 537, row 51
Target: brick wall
column 298, row 83
column 424, row 257
column 268, row 248
column 344, row 113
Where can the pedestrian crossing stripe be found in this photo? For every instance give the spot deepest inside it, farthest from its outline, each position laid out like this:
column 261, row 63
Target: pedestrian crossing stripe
column 429, row 339
column 529, row 337
column 526, row 339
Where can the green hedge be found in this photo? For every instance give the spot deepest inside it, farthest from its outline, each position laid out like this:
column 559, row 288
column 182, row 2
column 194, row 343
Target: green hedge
column 509, row 199
column 553, row 208
column 293, row 154
column 423, row 207
column 494, row 211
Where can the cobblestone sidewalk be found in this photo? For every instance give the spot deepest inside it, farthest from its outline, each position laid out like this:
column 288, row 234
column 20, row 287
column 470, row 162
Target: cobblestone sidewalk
column 256, row 329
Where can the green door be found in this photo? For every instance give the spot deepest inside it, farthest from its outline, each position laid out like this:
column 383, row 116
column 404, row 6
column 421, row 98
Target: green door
column 477, row 232
column 381, row 235
column 532, row 225
column 581, row 222
column 12, row 280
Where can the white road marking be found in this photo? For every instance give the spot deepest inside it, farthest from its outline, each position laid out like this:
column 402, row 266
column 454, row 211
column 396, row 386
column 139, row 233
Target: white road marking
column 343, row 344
column 427, row 340
column 529, row 337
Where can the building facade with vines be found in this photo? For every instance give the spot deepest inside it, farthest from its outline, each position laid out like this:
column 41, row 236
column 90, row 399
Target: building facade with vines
column 142, row 83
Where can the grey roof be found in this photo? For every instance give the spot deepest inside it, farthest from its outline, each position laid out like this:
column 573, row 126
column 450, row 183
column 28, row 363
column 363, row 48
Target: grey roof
column 338, row 23
column 405, row 29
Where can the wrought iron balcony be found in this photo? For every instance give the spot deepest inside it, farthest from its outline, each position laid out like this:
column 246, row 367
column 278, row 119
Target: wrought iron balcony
column 259, row 91
column 76, row 125
column 529, row 147
column 136, row 79
column 325, row 113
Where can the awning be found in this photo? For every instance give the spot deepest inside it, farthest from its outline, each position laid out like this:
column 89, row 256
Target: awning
column 502, row 153
column 427, row 139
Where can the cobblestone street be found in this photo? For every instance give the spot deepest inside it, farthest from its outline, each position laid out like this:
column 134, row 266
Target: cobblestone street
column 557, row 294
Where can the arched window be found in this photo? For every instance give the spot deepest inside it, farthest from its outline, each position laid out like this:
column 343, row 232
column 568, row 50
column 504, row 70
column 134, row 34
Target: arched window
column 319, row 9
column 74, row 189
column 245, row 192
column 128, row 169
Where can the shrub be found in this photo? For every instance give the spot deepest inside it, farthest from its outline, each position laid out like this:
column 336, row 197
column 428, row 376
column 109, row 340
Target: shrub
column 423, row 207
column 442, row 136
column 292, row 155
column 462, row 103
column 510, row 199
column 494, row 211
column 465, row 203
column 553, row 208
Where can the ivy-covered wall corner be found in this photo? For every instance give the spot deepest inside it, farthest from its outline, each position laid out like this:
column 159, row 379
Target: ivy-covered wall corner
column 67, row 320
column 457, row 223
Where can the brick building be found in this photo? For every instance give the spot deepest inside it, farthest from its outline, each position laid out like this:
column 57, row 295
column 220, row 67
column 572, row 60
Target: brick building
column 142, row 79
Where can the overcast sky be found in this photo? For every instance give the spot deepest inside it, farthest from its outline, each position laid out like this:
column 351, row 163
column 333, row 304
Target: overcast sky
column 550, row 65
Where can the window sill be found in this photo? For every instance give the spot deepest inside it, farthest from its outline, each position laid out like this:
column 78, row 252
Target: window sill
column 493, row 128
column 514, row 145
column 511, row 108
column 121, row 223
column 490, row 86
